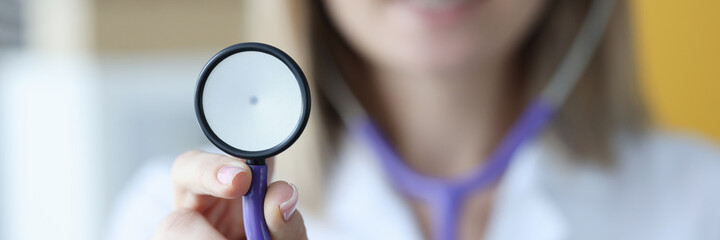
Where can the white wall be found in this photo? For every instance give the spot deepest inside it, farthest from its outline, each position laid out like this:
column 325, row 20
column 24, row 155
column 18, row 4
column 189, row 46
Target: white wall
column 49, row 155
column 49, row 126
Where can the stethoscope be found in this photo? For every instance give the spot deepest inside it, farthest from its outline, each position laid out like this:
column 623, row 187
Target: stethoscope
column 252, row 101
column 444, row 196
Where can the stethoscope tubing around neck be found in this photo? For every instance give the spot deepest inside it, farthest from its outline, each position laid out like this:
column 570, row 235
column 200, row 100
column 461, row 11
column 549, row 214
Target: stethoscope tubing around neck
column 530, row 123
column 445, row 195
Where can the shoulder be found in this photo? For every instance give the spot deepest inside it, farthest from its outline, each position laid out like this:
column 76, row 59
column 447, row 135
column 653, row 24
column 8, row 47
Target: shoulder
column 671, row 154
column 676, row 162
column 655, row 158
column 677, row 173
column 681, row 143
column 661, row 180
column 681, row 175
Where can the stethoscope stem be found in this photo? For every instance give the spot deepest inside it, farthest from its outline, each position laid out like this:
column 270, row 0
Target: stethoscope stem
column 253, row 203
column 445, row 209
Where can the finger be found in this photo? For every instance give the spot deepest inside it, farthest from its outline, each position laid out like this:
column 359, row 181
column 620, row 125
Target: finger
column 186, row 224
column 283, row 221
column 271, row 166
column 203, row 173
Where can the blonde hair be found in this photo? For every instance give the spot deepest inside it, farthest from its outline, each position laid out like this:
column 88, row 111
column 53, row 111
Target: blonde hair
column 606, row 99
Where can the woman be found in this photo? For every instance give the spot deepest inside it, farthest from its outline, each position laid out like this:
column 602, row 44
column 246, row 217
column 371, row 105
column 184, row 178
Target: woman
column 444, row 81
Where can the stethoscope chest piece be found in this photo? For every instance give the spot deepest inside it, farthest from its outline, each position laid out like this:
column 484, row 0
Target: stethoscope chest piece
column 252, row 102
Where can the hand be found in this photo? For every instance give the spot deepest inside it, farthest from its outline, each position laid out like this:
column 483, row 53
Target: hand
column 208, row 190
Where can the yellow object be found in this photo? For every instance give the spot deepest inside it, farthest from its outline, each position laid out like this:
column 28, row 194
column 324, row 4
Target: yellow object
column 678, row 44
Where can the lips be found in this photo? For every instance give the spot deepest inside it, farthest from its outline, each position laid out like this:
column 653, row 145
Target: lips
column 439, row 12
column 437, row 5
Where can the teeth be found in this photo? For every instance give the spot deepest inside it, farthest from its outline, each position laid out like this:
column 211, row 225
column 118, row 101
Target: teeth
column 436, row 3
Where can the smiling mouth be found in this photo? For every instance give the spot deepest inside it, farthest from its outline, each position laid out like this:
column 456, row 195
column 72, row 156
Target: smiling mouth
column 440, row 13
column 437, row 4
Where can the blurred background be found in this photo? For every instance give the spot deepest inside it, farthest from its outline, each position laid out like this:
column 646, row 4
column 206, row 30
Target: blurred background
column 91, row 89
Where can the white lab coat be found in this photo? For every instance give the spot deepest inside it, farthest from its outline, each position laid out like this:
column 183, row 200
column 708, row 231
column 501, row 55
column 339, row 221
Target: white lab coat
column 663, row 186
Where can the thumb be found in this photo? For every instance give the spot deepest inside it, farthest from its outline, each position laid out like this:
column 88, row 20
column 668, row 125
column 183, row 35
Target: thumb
column 282, row 220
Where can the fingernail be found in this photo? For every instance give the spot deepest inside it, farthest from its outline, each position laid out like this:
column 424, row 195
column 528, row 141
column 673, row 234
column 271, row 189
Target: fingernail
column 287, row 208
column 226, row 174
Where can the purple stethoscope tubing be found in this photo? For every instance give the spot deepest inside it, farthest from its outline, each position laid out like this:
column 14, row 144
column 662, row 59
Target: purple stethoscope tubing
column 253, row 203
column 445, row 196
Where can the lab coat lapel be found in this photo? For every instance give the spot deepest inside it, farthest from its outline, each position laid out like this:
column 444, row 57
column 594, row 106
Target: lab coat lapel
column 522, row 209
column 362, row 202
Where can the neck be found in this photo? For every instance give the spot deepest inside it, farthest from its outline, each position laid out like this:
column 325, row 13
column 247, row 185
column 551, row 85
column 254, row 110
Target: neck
column 442, row 124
